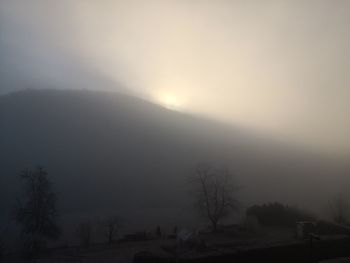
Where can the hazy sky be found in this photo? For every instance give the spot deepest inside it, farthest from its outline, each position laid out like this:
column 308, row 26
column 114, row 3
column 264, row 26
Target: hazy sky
column 278, row 66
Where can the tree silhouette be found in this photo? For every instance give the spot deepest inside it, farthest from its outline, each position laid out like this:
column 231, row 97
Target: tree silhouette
column 36, row 211
column 158, row 232
column 84, row 233
column 111, row 225
column 215, row 193
column 277, row 214
column 339, row 209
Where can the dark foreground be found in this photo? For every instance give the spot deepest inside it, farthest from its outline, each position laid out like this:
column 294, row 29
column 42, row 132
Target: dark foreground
column 267, row 245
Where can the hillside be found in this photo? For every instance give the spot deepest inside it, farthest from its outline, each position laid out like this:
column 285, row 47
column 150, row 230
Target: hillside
column 113, row 153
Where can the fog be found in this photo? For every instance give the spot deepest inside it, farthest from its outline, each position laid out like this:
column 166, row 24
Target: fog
column 222, row 123
column 278, row 67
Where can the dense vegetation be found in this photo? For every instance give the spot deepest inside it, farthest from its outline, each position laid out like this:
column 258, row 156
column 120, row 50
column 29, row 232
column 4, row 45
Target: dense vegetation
column 276, row 214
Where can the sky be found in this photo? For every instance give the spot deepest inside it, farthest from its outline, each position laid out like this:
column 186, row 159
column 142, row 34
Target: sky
column 278, row 67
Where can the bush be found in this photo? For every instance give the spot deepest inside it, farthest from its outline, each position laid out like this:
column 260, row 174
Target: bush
column 251, row 224
column 84, row 233
column 276, row 214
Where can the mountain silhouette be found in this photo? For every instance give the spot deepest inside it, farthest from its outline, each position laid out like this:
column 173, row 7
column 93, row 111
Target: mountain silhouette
column 108, row 152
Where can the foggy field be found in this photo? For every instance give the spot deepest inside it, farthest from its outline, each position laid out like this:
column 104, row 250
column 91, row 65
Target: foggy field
column 124, row 252
column 230, row 244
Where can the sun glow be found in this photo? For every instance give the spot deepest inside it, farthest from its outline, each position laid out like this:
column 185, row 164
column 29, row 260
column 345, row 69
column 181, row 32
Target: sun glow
column 171, row 101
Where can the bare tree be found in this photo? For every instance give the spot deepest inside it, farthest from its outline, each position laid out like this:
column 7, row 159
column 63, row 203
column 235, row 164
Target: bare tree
column 111, row 225
column 36, row 211
column 215, row 193
column 84, row 233
column 339, row 209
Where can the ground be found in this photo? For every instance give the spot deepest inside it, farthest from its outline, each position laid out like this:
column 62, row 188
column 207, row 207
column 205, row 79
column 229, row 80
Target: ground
column 124, row 251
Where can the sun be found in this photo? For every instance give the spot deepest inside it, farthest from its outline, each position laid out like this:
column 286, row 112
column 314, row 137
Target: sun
column 171, row 101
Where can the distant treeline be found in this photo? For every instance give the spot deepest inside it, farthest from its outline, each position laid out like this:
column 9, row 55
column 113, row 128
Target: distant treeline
column 276, row 214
